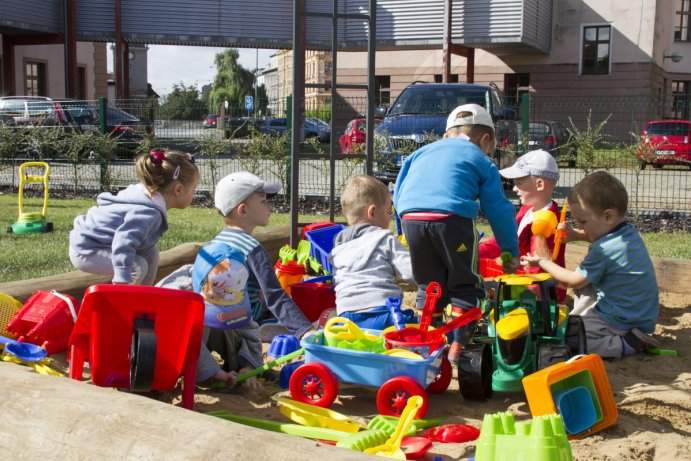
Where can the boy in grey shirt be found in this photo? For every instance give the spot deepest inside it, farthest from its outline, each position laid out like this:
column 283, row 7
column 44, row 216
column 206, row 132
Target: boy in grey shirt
column 367, row 258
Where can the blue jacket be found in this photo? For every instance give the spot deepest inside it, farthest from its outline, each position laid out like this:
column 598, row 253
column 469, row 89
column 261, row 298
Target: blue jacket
column 125, row 224
column 450, row 176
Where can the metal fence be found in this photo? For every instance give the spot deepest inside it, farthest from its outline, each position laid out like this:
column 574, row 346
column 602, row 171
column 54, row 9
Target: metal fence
column 614, row 124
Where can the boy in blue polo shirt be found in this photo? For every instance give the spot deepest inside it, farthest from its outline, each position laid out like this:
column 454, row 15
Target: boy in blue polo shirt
column 615, row 288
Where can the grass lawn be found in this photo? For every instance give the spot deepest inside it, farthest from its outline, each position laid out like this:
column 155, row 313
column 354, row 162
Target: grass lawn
column 36, row 255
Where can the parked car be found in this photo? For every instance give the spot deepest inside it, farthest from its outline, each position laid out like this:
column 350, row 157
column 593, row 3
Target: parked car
column 35, row 111
column 354, row 134
column 668, row 143
column 552, row 137
column 418, row 117
column 241, row 127
column 210, row 121
column 272, row 125
column 317, row 128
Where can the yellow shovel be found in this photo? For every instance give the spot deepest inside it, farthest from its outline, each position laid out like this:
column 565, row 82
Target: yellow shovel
column 392, row 447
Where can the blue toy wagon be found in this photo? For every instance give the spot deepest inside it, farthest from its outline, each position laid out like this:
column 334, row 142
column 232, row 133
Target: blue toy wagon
column 398, row 378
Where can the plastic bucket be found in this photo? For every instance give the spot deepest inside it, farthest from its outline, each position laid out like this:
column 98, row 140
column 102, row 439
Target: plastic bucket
column 314, row 296
column 289, row 274
column 576, row 408
column 580, row 379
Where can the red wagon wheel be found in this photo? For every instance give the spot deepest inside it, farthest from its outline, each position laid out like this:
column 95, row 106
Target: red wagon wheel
column 315, row 384
column 443, row 379
column 394, row 394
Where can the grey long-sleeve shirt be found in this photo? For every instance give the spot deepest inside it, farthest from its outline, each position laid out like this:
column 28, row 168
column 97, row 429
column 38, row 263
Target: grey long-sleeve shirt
column 367, row 260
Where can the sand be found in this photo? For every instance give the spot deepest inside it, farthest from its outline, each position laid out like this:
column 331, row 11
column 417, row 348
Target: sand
column 652, row 393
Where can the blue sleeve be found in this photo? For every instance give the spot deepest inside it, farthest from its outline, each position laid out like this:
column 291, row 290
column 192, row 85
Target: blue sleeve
column 592, row 267
column 277, row 300
column 500, row 212
column 128, row 239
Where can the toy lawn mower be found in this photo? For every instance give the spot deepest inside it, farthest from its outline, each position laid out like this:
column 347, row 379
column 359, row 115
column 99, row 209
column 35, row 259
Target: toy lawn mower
column 522, row 334
column 32, row 222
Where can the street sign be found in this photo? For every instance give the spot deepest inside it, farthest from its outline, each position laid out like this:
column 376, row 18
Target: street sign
column 249, row 102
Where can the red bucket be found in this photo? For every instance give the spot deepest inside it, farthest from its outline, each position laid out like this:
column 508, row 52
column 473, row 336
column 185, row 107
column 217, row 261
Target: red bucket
column 314, row 296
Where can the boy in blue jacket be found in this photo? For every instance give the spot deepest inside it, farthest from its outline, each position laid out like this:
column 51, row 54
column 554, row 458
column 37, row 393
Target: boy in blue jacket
column 436, row 195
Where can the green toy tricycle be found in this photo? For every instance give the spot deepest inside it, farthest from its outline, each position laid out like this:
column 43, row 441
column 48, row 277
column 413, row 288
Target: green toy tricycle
column 31, row 222
column 523, row 333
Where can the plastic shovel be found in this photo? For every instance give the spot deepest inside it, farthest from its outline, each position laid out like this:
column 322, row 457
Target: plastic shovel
column 418, row 335
column 320, row 433
column 560, row 233
column 267, row 366
column 314, row 416
column 392, row 447
column 432, row 295
column 25, row 351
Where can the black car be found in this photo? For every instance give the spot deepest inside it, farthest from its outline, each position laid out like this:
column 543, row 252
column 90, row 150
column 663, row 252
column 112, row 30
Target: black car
column 418, row 117
column 552, row 137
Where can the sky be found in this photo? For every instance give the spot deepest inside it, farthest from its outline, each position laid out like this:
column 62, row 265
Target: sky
column 192, row 65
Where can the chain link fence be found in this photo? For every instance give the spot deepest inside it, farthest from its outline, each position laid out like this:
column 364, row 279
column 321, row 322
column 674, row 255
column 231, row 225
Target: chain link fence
column 594, row 133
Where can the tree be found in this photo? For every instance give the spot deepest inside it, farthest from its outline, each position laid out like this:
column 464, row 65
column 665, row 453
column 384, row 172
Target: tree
column 182, row 104
column 232, row 83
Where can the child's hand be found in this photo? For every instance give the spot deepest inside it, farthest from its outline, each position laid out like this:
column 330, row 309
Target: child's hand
column 569, row 234
column 252, row 383
column 510, row 266
column 226, row 376
column 531, row 260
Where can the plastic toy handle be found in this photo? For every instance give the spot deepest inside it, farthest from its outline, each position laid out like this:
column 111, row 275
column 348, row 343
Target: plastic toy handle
column 471, row 315
column 268, row 365
column 432, row 294
column 560, row 233
column 394, row 305
column 392, row 445
column 348, row 326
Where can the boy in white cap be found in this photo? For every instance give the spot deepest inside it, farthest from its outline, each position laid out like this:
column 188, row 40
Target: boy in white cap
column 436, row 195
column 238, row 282
column 535, row 176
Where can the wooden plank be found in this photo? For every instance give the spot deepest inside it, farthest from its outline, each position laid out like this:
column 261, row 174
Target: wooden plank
column 75, row 282
column 59, row 418
column 672, row 274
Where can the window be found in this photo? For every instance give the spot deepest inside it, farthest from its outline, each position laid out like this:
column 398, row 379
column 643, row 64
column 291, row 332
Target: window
column 382, row 90
column 453, row 78
column 681, row 98
column 515, row 85
column 596, row 50
column 35, row 79
column 681, row 24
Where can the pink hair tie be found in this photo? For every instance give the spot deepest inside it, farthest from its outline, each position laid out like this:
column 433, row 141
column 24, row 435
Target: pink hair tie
column 157, row 157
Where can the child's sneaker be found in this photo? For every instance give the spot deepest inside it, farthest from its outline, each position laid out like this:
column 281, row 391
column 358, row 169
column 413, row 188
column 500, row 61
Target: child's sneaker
column 639, row 340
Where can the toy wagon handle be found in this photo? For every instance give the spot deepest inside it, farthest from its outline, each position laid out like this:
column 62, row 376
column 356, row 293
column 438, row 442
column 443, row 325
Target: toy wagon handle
column 432, row 295
column 469, row 316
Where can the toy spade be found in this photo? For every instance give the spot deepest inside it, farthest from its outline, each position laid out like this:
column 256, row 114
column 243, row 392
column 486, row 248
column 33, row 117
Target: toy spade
column 432, row 295
column 392, row 447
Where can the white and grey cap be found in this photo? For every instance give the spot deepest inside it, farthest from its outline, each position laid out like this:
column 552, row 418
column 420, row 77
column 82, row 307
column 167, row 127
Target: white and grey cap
column 234, row 189
column 534, row 163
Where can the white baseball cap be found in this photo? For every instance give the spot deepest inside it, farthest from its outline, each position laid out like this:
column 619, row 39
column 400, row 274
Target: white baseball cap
column 536, row 163
column 479, row 116
column 234, row 189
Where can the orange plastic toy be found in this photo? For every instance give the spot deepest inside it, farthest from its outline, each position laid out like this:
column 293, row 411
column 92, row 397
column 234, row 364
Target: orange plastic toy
column 139, row 338
column 580, row 371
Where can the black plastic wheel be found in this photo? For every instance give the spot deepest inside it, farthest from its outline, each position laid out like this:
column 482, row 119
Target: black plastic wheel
column 549, row 354
column 575, row 338
column 9, row 229
column 475, row 372
column 142, row 359
column 48, row 227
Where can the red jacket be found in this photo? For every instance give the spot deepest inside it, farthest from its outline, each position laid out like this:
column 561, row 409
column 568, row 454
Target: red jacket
column 526, row 244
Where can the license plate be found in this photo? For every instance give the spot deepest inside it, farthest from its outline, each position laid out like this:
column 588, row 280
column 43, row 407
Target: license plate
column 664, row 152
column 400, row 159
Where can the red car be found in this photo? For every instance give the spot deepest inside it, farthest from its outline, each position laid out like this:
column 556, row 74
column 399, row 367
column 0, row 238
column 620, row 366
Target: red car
column 354, row 134
column 210, row 121
column 668, row 142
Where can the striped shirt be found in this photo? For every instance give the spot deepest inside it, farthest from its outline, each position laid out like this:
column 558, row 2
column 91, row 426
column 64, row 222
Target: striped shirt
column 263, row 281
column 621, row 272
